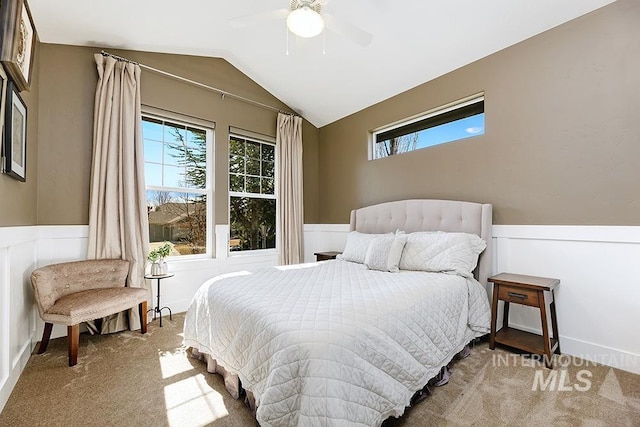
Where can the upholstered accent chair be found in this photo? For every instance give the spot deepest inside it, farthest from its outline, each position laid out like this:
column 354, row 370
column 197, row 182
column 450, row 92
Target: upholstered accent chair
column 74, row 292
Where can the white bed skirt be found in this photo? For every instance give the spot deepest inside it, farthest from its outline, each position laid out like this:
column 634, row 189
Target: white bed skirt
column 234, row 387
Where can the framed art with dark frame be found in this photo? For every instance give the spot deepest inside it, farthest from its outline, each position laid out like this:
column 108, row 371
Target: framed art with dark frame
column 3, row 96
column 17, row 41
column 14, row 144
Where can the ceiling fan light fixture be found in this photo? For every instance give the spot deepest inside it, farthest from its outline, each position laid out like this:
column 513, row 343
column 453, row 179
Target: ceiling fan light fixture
column 305, row 22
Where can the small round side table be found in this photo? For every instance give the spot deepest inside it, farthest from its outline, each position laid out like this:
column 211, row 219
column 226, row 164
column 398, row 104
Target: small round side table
column 157, row 310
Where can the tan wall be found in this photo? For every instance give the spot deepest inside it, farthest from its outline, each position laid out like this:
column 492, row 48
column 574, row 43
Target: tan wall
column 562, row 140
column 18, row 199
column 68, row 80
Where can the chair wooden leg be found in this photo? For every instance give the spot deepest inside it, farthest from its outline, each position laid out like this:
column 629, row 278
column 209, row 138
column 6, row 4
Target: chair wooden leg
column 45, row 338
column 73, row 337
column 142, row 311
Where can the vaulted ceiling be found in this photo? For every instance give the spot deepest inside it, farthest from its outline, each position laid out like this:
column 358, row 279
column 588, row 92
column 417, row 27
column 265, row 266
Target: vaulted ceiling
column 323, row 78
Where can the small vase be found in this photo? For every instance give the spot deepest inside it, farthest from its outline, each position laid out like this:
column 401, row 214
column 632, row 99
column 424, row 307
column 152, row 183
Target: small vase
column 159, row 268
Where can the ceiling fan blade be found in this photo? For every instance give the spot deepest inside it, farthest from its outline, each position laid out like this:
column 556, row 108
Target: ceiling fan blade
column 357, row 35
column 258, row 18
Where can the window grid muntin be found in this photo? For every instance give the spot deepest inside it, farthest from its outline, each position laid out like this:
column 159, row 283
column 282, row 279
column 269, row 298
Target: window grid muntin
column 252, row 195
column 208, row 173
column 166, row 123
column 261, row 162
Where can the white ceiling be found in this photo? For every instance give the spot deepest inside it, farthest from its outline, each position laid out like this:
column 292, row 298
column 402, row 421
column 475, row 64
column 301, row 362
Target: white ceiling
column 414, row 41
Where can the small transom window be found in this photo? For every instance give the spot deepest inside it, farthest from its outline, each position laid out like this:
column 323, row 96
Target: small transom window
column 463, row 119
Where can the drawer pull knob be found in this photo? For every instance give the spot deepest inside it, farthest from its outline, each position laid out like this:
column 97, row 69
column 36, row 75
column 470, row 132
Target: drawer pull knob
column 516, row 295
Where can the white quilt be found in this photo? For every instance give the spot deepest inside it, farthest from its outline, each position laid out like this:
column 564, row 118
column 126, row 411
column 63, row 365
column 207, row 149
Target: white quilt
column 332, row 343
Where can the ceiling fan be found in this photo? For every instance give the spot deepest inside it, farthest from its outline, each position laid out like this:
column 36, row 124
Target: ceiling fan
column 305, row 18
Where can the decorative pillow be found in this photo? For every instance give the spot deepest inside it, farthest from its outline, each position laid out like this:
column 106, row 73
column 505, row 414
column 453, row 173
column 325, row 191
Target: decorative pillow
column 395, row 254
column 356, row 248
column 384, row 252
column 442, row 252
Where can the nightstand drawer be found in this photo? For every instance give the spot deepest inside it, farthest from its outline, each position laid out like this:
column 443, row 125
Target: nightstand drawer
column 518, row 295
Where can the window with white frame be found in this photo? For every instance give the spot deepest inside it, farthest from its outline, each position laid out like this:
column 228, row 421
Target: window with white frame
column 459, row 120
column 178, row 184
column 252, row 194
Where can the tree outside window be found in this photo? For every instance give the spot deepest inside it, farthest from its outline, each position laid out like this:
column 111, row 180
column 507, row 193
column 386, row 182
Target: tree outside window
column 177, row 190
column 252, row 198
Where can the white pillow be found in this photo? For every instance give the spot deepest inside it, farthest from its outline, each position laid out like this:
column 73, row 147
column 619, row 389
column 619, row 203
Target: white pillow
column 442, row 252
column 384, row 252
column 395, row 254
column 356, row 248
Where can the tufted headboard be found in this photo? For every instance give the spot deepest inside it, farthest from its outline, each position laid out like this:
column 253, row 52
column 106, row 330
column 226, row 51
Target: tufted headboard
column 430, row 215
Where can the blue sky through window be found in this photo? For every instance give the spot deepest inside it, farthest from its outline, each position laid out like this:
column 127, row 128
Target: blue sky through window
column 163, row 166
column 453, row 131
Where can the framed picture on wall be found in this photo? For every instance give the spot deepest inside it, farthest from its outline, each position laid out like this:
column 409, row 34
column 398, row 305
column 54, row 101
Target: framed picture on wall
column 14, row 144
column 17, row 41
column 3, row 96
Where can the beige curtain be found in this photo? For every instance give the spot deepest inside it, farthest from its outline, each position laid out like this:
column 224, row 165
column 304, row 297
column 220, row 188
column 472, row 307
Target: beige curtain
column 118, row 223
column 291, row 218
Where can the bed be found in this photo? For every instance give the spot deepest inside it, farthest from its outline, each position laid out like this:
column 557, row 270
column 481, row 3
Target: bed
column 348, row 343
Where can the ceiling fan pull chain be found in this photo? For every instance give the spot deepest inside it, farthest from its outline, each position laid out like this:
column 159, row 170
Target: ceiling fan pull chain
column 287, row 30
column 324, row 43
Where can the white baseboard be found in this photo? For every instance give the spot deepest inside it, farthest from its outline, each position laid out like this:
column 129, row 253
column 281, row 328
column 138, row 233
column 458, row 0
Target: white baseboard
column 591, row 351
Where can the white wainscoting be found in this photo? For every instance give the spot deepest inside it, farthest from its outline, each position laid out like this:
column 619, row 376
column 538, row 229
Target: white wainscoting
column 18, row 257
column 23, row 249
column 323, row 237
column 597, row 301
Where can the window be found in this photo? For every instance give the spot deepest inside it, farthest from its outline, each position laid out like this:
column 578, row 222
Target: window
column 252, row 194
column 463, row 119
column 176, row 163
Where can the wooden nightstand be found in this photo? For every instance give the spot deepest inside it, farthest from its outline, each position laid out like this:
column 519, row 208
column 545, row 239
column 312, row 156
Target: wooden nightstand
column 323, row 256
column 525, row 290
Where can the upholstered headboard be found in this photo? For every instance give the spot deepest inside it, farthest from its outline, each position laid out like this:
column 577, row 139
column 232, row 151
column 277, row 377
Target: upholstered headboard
column 430, row 215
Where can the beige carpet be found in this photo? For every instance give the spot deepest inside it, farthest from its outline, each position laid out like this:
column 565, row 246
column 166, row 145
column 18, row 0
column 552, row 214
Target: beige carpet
column 128, row 379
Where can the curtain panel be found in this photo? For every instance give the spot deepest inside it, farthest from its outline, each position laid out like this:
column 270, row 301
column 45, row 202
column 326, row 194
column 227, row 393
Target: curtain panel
column 291, row 214
column 118, row 222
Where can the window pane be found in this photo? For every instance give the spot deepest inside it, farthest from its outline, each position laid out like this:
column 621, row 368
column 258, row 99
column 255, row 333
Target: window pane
column 253, row 184
column 450, row 124
column 174, row 133
column 178, row 218
column 196, row 177
column 267, row 186
column 192, row 162
column 152, row 129
column 173, row 154
column 152, row 151
column 153, row 174
column 460, row 129
column 195, row 137
column 236, row 164
column 176, row 157
column 253, row 223
column 268, row 169
column 268, row 152
column 236, row 146
column 453, row 131
column 236, row 183
column 253, row 167
column 173, row 176
column 253, row 149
